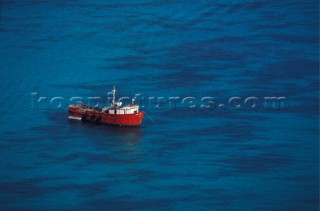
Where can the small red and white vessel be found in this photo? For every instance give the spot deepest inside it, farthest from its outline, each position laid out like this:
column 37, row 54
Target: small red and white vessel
column 116, row 114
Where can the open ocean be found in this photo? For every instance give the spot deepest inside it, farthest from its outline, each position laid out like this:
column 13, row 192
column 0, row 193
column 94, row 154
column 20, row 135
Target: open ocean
column 183, row 157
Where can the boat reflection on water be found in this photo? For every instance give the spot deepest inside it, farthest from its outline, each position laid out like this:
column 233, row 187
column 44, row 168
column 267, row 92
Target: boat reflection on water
column 127, row 131
column 127, row 137
column 130, row 135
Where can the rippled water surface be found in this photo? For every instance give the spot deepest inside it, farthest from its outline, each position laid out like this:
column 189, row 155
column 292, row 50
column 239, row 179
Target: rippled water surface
column 184, row 158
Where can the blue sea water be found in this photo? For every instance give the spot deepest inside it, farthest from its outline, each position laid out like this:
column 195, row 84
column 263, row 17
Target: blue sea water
column 221, row 158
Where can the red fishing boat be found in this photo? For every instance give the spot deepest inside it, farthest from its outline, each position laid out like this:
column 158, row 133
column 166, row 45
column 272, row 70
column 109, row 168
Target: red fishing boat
column 116, row 114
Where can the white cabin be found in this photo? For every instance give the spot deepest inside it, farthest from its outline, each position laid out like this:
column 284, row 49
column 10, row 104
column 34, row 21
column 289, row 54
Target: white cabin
column 117, row 109
column 129, row 109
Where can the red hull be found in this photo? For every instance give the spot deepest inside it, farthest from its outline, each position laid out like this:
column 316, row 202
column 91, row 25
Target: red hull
column 112, row 119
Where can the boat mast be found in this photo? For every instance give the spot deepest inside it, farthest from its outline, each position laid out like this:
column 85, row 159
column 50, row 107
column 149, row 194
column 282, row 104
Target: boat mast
column 113, row 95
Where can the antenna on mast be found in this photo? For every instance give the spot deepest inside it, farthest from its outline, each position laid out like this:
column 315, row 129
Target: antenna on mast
column 114, row 95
